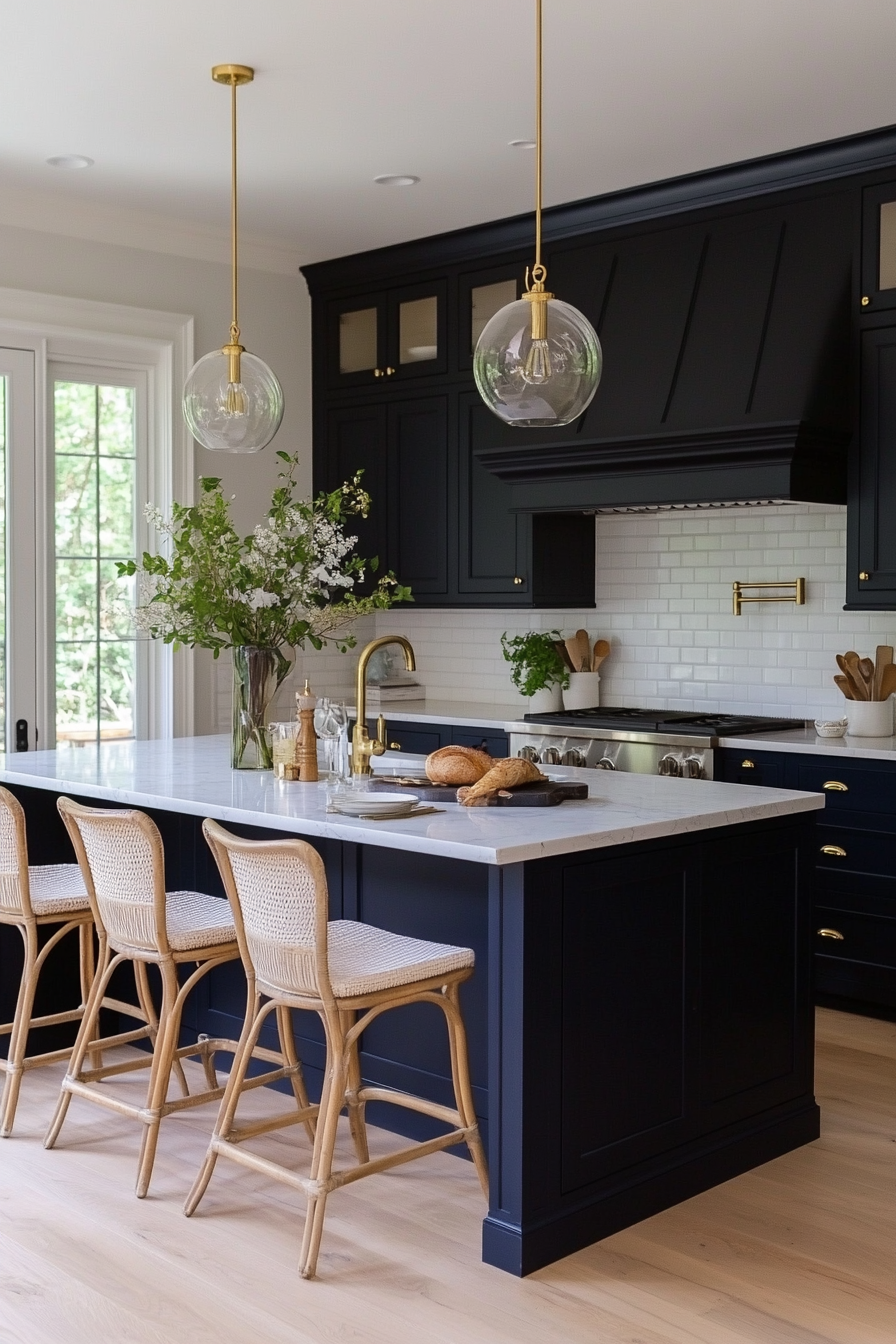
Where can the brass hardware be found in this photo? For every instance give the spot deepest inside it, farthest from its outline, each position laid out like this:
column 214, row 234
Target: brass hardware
column 235, row 400
column 834, row 851
column 798, row 595
column 864, row 576
column 865, row 300
column 831, row 933
column 377, row 373
column 233, row 74
column 748, row 765
column 395, row 746
column 834, row 786
column 389, row 371
column 363, row 745
column 517, row 580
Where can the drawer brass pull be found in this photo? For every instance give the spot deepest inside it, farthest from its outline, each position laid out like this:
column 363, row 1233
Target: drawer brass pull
column 395, row 746
column 835, row 851
column 748, row 765
column 834, row 786
column 831, row 933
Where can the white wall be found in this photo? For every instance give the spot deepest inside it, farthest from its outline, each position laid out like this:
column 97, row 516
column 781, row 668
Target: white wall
column 275, row 320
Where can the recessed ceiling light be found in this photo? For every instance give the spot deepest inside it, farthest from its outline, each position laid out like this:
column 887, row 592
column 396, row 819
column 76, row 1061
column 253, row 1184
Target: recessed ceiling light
column 70, row 161
column 396, row 180
column 521, row 144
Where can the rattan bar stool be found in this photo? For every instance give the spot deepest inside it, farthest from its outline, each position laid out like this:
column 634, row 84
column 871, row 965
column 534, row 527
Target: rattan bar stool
column 32, row 897
column 295, row 958
column 123, row 865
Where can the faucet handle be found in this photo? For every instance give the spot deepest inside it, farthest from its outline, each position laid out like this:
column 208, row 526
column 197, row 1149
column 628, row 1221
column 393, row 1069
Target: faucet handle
column 379, row 745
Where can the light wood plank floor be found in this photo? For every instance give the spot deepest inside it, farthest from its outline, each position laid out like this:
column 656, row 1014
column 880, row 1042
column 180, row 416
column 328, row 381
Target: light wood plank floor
column 800, row 1251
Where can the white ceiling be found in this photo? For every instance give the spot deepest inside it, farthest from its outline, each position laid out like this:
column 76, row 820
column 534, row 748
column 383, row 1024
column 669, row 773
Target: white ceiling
column 635, row 90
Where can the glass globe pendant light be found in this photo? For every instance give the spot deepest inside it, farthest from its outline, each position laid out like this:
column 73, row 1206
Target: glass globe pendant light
column 538, row 361
column 233, row 402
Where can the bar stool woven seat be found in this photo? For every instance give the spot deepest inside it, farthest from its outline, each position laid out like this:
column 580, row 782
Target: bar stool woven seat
column 123, row 866
column 294, row 957
column 33, row 896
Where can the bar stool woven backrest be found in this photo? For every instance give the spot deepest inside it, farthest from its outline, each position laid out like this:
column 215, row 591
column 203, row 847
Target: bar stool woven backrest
column 15, row 894
column 123, row 865
column 278, row 891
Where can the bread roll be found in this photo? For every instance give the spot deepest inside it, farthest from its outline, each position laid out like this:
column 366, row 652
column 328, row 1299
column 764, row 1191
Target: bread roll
column 506, row 774
column 458, row 765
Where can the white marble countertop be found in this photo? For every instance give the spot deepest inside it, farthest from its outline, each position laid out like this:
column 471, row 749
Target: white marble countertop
column 465, row 714
column 807, row 742
column 193, row 775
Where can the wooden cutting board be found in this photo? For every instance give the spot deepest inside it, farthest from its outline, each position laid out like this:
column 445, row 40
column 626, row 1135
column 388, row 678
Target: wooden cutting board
column 542, row 793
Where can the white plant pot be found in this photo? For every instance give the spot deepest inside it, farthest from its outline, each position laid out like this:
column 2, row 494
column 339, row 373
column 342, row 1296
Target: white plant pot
column 545, row 702
column 870, row 718
column 583, row 691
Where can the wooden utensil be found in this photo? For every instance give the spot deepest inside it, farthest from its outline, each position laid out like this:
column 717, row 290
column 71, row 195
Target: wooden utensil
column 883, row 657
column 888, row 681
column 848, row 664
column 584, row 642
column 866, row 672
column 600, row 652
column 572, row 649
column 564, row 654
column 845, row 687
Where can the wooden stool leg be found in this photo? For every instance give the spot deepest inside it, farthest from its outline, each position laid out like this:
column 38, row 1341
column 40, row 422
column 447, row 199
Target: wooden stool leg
column 18, row 1040
column 255, row 1016
column 87, row 971
column 356, row 1108
column 105, row 968
column 144, row 998
column 460, row 1076
column 288, row 1051
column 324, row 1144
column 159, row 1074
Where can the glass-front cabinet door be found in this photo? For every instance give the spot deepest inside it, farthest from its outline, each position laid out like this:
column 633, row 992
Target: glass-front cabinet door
column 879, row 248
column 481, row 295
column 384, row 337
column 418, row 321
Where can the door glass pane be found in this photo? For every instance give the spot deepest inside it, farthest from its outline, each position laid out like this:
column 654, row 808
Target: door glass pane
column 887, row 279
column 95, row 526
column 3, row 442
column 418, row 330
column 486, row 300
column 357, row 340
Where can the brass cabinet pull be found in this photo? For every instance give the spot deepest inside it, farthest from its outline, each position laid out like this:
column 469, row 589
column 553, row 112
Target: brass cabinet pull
column 377, row 373
column 395, row 746
column 865, row 301
column 389, row 371
column 831, row 933
column 834, row 786
column 864, row 576
column 835, row 851
column 748, row 765
column 517, row 580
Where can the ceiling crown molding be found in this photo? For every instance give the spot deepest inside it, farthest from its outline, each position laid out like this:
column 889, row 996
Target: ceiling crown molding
column 75, row 218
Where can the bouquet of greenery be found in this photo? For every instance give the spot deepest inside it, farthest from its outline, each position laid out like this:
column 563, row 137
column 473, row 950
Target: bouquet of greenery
column 292, row 580
column 534, row 660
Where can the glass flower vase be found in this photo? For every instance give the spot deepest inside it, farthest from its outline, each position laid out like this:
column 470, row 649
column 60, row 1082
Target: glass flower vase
column 257, row 676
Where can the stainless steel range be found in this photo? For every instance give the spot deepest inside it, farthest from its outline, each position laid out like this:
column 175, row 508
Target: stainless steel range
column 638, row 741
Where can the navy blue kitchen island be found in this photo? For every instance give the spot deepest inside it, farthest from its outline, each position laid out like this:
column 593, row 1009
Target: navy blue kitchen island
column 640, row 1019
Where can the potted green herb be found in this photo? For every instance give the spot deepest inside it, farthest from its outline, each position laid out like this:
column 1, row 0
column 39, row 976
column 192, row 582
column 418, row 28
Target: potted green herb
column 537, row 670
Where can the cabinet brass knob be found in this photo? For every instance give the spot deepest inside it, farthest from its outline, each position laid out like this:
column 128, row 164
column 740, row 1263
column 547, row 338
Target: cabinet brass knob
column 395, row 746
column 377, row 373
column 865, row 300
column 389, row 371
column 517, row 580
column 834, row 851
column 864, row 576
column 748, row 765
column 834, row 786
column 831, row 933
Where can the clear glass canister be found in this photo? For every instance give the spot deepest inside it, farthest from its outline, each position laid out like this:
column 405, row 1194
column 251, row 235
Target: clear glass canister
column 283, row 742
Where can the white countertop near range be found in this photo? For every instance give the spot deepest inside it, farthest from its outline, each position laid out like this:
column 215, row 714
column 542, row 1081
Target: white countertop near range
column 193, row 776
column 807, row 742
column 459, row 712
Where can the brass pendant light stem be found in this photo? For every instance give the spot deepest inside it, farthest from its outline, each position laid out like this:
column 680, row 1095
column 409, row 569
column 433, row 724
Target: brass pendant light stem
column 234, row 322
column 538, row 99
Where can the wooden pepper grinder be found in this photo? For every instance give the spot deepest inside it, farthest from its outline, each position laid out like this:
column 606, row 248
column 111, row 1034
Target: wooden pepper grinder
column 306, row 745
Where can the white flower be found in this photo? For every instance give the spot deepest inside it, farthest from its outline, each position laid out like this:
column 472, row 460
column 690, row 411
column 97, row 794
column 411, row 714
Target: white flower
column 259, row 598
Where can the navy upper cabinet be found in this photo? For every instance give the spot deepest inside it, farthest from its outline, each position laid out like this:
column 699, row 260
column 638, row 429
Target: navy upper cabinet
column 879, row 248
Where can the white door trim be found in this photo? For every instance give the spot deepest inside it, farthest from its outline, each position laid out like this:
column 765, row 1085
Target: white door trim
column 85, row 331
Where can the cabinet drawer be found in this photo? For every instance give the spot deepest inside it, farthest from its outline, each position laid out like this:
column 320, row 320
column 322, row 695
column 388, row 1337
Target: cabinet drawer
column 495, row 744
column 862, row 788
column 415, row 741
column 869, row 938
column 839, row 849
column 750, row 767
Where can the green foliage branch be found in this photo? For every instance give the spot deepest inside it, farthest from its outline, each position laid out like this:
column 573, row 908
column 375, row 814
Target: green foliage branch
column 535, row 663
column 290, row 582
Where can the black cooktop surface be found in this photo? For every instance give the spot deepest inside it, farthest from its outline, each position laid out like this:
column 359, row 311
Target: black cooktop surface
column 665, row 721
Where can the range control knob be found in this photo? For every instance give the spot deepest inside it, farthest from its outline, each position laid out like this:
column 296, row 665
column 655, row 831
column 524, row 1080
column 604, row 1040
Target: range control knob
column 550, row 756
column 669, row 765
column 693, row 768
column 528, row 754
column 606, row 764
column 573, row 757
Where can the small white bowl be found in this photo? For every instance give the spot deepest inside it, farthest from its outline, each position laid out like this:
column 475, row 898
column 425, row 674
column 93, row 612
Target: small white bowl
column 831, row 727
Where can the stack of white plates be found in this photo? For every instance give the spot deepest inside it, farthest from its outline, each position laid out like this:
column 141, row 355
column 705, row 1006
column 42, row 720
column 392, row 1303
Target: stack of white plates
column 375, row 804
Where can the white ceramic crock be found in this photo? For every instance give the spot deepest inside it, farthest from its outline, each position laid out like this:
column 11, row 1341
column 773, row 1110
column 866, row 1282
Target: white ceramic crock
column 870, row 718
column 583, row 691
column 546, row 701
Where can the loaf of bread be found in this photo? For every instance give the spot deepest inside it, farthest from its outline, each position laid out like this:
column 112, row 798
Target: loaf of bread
column 458, row 765
column 504, row 775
